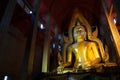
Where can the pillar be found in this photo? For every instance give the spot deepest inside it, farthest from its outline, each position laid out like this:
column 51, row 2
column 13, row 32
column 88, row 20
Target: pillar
column 28, row 60
column 6, row 19
column 113, row 29
column 46, row 53
column 5, row 23
column 4, row 37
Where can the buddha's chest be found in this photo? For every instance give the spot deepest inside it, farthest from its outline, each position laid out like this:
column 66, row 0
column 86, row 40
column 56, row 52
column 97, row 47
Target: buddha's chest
column 79, row 49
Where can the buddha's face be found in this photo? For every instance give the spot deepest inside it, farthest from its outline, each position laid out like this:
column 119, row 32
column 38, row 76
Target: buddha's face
column 79, row 33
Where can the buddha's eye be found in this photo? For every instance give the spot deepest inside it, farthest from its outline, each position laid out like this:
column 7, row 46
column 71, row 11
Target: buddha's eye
column 80, row 31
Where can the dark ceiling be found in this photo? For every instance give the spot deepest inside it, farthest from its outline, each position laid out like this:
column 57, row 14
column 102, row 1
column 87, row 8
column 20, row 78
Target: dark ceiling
column 61, row 11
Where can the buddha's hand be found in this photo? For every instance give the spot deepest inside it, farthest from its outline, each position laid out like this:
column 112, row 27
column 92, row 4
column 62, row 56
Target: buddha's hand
column 60, row 68
column 60, row 60
column 75, row 69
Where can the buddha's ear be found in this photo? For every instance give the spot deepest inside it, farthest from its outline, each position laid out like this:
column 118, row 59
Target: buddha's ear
column 85, row 35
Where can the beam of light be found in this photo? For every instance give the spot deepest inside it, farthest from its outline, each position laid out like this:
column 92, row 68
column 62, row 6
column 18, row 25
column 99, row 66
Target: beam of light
column 6, row 78
column 115, row 21
column 41, row 26
column 53, row 45
column 31, row 12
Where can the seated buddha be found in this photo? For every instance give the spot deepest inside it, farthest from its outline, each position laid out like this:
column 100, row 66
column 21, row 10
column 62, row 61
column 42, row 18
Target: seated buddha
column 85, row 51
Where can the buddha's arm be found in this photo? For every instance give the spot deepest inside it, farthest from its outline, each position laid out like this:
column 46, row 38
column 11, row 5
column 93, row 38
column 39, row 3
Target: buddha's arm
column 95, row 51
column 69, row 58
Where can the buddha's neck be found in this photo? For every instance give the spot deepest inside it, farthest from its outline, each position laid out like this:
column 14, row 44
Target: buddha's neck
column 80, row 40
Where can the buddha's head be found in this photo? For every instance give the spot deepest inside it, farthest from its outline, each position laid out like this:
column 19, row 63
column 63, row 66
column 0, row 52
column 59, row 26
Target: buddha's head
column 79, row 33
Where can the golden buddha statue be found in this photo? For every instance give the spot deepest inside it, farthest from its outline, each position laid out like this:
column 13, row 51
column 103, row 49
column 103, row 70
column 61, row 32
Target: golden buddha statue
column 87, row 48
column 86, row 53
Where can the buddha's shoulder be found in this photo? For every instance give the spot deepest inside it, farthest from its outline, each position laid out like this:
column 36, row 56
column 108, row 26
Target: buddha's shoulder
column 84, row 43
column 87, row 43
column 91, row 43
column 72, row 46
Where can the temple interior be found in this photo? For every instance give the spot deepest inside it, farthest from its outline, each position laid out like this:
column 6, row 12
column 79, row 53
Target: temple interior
column 59, row 40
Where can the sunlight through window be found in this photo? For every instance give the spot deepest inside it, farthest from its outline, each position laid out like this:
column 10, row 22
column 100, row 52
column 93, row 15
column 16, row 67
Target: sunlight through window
column 31, row 12
column 115, row 20
column 41, row 26
column 6, row 78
